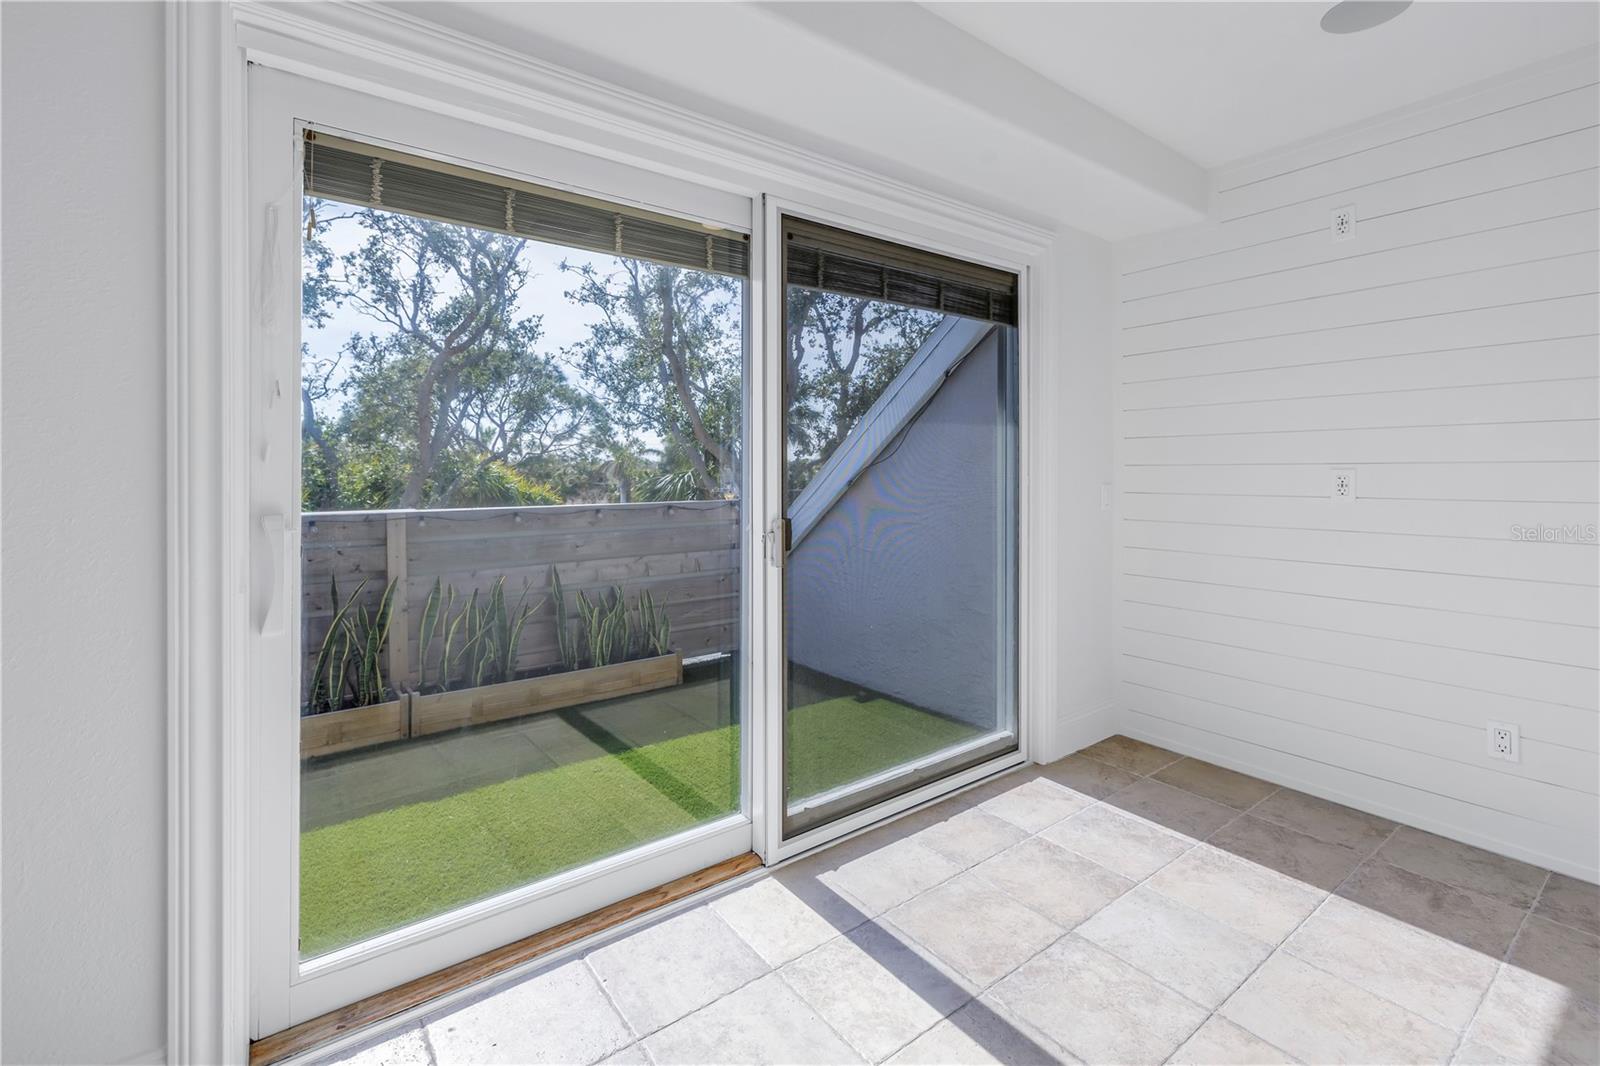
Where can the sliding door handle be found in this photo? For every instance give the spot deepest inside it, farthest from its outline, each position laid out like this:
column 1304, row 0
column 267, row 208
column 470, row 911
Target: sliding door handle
column 275, row 529
column 778, row 543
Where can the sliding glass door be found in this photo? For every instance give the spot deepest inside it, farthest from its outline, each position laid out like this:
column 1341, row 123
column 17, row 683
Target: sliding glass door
column 510, row 659
column 900, row 497
column 521, row 483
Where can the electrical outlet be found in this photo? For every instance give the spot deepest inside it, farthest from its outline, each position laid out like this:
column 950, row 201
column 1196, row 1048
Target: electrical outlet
column 1344, row 485
column 1342, row 222
column 1505, row 742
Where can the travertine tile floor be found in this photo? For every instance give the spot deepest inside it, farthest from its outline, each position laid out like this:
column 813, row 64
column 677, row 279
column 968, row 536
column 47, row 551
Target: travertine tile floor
column 1123, row 905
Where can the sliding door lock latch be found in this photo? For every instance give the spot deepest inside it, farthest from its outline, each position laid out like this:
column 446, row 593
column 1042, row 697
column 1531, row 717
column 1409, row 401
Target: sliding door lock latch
column 777, row 542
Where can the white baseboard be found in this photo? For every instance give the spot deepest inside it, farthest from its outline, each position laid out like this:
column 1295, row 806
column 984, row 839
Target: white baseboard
column 1281, row 769
column 153, row 1057
column 1075, row 732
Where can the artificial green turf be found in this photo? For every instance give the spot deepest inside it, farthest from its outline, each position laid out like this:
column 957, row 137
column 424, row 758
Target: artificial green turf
column 385, row 870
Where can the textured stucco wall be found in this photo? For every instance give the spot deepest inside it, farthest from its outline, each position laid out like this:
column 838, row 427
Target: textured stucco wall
column 84, row 766
column 897, row 588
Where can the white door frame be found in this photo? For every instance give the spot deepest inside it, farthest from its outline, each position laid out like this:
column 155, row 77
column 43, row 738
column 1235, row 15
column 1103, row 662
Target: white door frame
column 211, row 523
column 289, row 990
column 773, row 846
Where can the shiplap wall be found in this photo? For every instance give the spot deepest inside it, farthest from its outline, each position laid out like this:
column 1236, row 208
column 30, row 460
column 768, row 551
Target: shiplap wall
column 1449, row 355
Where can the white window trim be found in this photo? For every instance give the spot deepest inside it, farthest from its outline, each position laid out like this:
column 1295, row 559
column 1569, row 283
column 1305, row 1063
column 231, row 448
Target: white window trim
column 288, row 989
column 210, row 776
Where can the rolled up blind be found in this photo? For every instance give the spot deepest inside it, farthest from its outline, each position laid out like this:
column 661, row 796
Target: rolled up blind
column 834, row 260
column 354, row 173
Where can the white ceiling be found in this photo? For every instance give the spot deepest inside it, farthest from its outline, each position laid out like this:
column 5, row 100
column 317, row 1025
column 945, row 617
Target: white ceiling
column 1101, row 116
column 1220, row 82
column 884, row 86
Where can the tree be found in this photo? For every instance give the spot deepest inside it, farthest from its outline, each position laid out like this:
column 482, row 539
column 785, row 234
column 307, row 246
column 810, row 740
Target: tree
column 452, row 382
column 666, row 360
column 841, row 352
column 450, row 401
column 320, row 478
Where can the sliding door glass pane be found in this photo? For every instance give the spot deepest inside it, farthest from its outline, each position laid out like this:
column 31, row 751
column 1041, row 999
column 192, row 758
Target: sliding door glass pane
column 521, row 485
column 900, row 585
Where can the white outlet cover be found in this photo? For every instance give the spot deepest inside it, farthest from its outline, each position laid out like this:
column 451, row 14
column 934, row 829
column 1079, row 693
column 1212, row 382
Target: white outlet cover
column 1342, row 486
column 1504, row 741
column 1342, row 223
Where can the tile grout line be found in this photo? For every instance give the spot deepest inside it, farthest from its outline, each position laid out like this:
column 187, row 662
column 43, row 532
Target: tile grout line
column 1564, row 925
column 1505, row 957
column 427, row 1043
column 823, row 1018
column 981, row 989
column 1133, row 887
column 1555, row 921
column 1279, row 947
column 1212, row 1012
column 1094, row 801
column 637, row 1041
column 883, row 922
column 771, row 970
column 1142, row 882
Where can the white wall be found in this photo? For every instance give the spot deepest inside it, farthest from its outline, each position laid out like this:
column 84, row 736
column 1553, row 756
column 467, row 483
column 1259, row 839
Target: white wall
column 1070, row 393
column 912, row 550
column 1447, row 354
column 84, row 873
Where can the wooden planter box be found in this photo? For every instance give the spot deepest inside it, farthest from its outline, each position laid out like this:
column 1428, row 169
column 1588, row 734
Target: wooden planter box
column 414, row 715
column 359, row 727
column 443, row 711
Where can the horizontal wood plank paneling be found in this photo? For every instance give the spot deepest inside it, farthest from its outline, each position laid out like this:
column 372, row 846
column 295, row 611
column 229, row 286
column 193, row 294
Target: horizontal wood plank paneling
column 1552, row 482
column 1447, row 222
column 1450, row 354
column 686, row 555
column 1571, row 605
column 1483, row 634
column 1556, row 358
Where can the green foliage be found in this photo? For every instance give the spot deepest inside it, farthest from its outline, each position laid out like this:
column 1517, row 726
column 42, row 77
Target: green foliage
column 348, row 671
column 566, row 642
column 655, row 628
column 480, row 481
column 666, row 360
column 450, row 389
column 607, row 629
column 478, row 644
column 606, row 626
column 668, row 485
column 840, row 353
column 454, row 396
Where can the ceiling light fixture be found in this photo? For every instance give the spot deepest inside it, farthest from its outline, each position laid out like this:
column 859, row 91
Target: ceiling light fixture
column 1353, row 16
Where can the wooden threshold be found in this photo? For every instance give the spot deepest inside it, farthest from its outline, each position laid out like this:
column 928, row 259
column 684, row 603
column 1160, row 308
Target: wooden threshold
column 319, row 1030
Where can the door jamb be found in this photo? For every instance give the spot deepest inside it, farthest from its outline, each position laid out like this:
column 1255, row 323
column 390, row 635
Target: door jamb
column 209, row 45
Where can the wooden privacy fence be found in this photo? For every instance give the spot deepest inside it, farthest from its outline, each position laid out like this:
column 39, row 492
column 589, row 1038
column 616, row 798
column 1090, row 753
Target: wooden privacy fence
column 686, row 554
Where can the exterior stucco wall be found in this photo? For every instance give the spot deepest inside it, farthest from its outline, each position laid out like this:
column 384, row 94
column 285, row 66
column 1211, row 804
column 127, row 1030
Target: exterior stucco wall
column 896, row 589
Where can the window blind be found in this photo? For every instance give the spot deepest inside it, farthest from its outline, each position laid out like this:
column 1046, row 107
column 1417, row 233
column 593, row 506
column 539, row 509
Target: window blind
column 835, row 260
column 354, row 173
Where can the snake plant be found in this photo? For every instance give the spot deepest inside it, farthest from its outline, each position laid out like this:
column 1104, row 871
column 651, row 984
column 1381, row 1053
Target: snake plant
column 348, row 671
column 478, row 644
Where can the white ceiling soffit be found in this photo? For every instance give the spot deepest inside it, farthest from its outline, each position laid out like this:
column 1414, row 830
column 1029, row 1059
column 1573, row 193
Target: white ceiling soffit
column 859, row 82
column 1220, row 82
